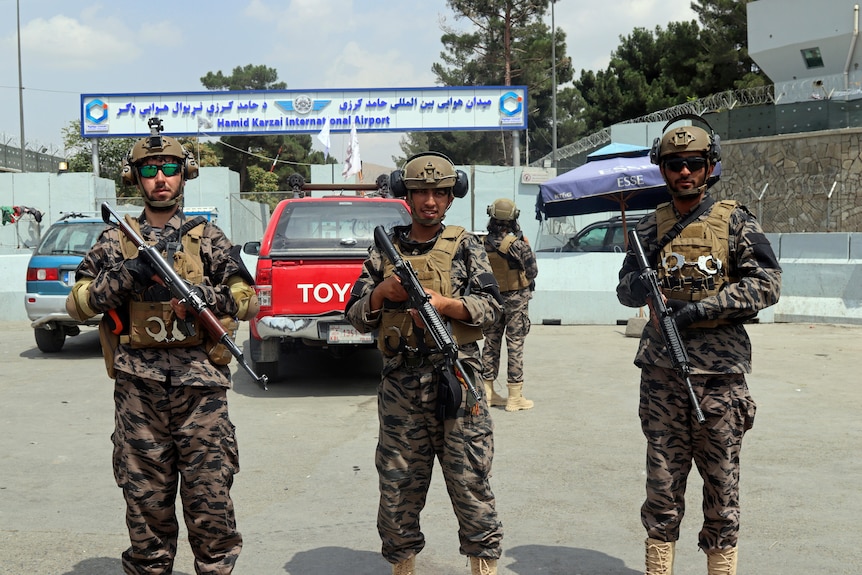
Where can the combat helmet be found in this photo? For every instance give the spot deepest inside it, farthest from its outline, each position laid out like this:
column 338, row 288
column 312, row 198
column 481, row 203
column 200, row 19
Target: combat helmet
column 428, row 170
column 686, row 139
column 504, row 209
column 157, row 145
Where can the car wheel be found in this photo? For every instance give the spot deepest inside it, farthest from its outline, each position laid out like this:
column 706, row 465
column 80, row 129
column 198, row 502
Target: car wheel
column 50, row 340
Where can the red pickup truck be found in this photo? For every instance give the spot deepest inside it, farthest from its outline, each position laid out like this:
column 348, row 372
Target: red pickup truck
column 311, row 253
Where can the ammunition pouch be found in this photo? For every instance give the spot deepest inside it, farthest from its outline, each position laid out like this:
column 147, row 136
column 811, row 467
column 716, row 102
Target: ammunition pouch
column 109, row 341
column 398, row 333
column 154, row 324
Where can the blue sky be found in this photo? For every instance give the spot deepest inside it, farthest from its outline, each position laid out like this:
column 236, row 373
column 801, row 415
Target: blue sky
column 70, row 47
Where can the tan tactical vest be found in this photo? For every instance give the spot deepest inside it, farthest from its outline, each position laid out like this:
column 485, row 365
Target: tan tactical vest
column 433, row 271
column 507, row 278
column 155, row 320
column 153, row 324
column 693, row 265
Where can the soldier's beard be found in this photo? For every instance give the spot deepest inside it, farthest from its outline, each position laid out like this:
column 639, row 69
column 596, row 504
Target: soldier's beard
column 687, row 193
column 426, row 221
column 163, row 205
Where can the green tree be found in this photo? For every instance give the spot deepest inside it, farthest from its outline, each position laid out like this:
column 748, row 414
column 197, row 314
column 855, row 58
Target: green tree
column 279, row 154
column 725, row 40
column 649, row 71
column 112, row 151
column 507, row 44
column 264, row 183
column 79, row 154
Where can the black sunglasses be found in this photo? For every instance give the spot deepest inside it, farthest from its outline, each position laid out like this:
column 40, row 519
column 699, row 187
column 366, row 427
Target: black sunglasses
column 693, row 164
column 150, row 170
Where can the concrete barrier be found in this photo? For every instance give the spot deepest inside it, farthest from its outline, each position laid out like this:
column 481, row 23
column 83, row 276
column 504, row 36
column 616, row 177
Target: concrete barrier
column 13, row 285
column 580, row 288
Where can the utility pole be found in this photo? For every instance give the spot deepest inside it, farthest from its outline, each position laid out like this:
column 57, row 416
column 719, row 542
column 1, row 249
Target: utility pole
column 554, row 89
column 20, row 85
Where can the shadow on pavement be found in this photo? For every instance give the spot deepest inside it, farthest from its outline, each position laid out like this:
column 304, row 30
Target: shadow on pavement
column 336, row 560
column 83, row 346
column 315, row 373
column 102, row 566
column 551, row 560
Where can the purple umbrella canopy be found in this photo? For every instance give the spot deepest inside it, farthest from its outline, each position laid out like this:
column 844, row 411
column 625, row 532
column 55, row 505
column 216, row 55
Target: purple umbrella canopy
column 608, row 183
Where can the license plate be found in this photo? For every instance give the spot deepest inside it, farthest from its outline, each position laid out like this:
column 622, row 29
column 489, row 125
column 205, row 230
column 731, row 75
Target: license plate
column 347, row 334
column 69, row 277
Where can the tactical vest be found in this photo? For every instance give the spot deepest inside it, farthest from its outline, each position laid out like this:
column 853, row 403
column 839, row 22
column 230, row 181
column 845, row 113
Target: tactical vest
column 693, row 266
column 433, row 269
column 153, row 323
column 508, row 278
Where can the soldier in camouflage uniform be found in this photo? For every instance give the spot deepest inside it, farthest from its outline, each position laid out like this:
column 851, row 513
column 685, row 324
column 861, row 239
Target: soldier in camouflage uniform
column 451, row 264
column 172, row 430
column 515, row 269
column 716, row 269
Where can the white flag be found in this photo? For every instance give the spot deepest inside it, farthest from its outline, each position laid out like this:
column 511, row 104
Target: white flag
column 323, row 136
column 353, row 163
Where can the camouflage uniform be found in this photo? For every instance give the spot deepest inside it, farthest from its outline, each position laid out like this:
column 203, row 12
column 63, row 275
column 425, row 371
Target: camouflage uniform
column 720, row 356
column 172, row 429
column 410, row 433
column 515, row 321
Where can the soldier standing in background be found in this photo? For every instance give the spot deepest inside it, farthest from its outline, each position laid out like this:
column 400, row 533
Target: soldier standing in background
column 172, row 429
column 451, row 265
column 716, row 269
column 514, row 265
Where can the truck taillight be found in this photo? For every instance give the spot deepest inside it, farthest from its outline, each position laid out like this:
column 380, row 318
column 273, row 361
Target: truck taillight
column 263, row 286
column 264, row 297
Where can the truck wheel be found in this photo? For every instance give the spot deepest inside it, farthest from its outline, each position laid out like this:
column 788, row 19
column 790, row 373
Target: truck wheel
column 267, row 368
column 50, row 340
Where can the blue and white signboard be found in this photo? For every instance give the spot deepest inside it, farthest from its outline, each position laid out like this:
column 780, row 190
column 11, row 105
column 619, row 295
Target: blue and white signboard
column 261, row 112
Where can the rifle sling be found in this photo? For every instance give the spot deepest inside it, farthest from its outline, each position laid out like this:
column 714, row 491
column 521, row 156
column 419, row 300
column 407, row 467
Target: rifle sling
column 184, row 229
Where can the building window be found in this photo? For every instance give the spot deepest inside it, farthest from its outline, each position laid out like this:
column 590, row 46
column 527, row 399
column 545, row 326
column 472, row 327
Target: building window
column 812, row 57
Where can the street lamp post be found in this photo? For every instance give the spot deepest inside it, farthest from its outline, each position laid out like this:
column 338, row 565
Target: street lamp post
column 20, row 85
column 554, row 83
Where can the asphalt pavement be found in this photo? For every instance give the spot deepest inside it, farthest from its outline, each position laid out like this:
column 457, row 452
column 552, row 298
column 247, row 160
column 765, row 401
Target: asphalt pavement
column 568, row 474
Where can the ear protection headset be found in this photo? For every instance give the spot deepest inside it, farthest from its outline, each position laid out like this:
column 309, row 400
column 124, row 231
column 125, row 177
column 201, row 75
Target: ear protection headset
column 713, row 151
column 399, row 188
column 130, row 174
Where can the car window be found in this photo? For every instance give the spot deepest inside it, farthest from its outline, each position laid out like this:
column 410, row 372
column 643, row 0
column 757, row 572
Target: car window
column 70, row 239
column 618, row 237
column 593, row 238
column 330, row 224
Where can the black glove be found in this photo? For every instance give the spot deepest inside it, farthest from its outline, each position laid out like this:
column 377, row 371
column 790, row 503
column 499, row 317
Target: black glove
column 141, row 271
column 685, row 313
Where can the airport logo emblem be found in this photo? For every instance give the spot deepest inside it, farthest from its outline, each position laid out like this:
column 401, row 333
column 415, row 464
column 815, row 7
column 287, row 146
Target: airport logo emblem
column 302, row 105
column 96, row 111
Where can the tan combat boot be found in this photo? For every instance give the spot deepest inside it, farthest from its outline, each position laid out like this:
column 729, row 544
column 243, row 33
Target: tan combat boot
column 406, row 567
column 516, row 401
column 494, row 398
column 721, row 562
column 659, row 557
column 482, row 566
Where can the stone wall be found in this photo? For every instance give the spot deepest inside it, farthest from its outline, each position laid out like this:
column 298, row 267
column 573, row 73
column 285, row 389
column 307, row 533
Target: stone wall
column 806, row 182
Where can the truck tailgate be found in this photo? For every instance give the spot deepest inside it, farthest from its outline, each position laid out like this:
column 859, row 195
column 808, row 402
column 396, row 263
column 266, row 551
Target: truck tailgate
column 312, row 286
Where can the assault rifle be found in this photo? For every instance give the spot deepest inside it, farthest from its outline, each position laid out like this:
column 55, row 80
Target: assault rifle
column 181, row 290
column 667, row 326
column 453, row 370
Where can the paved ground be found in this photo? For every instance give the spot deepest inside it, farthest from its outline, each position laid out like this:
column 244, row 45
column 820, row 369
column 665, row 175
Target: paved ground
column 568, row 474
